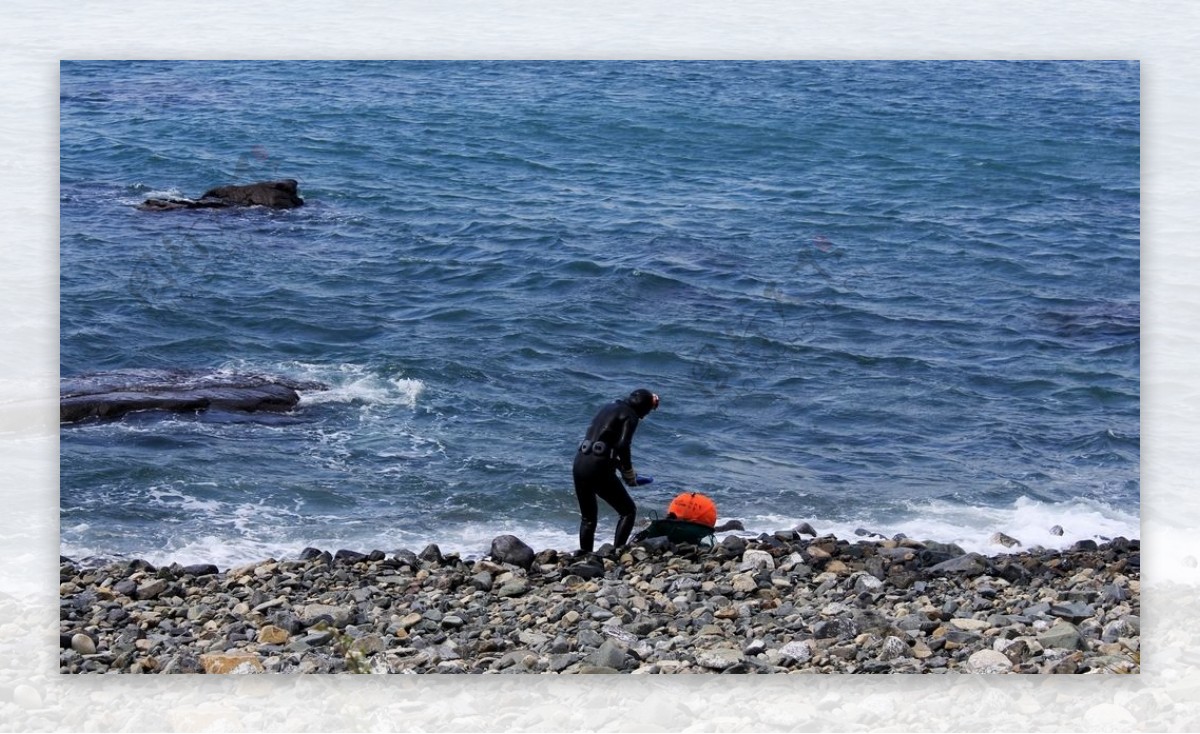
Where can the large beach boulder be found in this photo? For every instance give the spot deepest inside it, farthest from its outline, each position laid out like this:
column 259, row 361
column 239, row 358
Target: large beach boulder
column 511, row 549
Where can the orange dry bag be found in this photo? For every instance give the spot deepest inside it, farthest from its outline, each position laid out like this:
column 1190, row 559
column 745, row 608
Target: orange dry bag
column 693, row 507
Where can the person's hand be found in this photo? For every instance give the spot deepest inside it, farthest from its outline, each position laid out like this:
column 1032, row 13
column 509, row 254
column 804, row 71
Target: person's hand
column 630, row 476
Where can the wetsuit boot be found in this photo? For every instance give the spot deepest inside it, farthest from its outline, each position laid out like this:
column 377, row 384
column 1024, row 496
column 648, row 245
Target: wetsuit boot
column 624, row 528
column 587, row 535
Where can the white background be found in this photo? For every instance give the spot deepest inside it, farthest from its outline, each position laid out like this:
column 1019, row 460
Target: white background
column 34, row 37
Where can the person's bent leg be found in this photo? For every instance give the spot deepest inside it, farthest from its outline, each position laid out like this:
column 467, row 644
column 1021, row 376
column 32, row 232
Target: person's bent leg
column 615, row 494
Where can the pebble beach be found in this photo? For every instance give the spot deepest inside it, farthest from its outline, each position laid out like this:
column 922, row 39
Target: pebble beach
column 781, row 602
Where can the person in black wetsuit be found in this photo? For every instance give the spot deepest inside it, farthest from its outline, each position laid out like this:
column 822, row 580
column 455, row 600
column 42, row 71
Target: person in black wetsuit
column 604, row 451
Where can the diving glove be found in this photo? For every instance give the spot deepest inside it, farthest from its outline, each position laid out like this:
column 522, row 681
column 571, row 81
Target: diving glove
column 630, row 476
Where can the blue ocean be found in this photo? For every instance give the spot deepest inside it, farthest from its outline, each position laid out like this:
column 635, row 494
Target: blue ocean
column 900, row 297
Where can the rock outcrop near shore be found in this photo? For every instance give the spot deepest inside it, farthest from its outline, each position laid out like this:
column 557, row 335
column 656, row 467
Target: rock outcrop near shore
column 775, row 604
column 282, row 194
column 112, row 395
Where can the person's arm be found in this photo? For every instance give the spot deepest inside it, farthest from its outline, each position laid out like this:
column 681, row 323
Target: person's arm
column 625, row 449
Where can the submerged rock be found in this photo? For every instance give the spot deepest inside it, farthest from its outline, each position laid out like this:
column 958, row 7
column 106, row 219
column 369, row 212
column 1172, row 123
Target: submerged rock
column 280, row 194
column 110, row 395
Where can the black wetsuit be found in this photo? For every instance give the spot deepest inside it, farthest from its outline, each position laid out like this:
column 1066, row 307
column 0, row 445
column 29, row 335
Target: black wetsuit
column 604, row 451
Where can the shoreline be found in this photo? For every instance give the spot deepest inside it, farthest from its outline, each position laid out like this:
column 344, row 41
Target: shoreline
column 776, row 603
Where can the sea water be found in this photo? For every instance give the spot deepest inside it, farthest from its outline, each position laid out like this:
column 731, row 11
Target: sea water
column 887, row 296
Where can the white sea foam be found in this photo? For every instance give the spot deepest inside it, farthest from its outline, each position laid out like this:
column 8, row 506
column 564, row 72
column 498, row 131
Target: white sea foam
column 223, row 552
column 348, row 383
column 469, row 539
column 355, row 384
column 176, row 498
column 171, row 193
column 972, row 528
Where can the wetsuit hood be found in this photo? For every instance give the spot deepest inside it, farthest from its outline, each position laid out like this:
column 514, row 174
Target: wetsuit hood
column 642, row 401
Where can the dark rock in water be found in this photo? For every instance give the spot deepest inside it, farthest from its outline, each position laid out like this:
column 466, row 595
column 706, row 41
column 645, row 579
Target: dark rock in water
column 115, row 394
column 1085, row 545
column 511, row 549
column 376, row 555
column 1056, row 530
column 280, row 194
